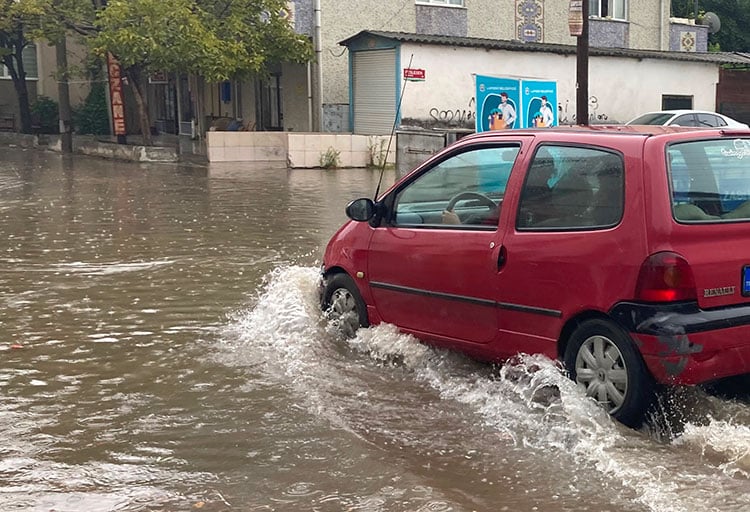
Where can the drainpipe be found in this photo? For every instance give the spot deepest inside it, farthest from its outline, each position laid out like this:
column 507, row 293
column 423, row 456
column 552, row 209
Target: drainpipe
column 661, row 25
column 309, row 98
column 319, row 64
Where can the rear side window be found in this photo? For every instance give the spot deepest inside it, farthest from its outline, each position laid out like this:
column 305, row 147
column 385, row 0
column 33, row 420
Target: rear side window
column 710, row 120
column 572, row 188
column 710, row 180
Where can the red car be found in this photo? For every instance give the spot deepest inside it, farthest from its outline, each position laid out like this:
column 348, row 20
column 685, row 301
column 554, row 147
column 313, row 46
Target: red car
column 623, row 251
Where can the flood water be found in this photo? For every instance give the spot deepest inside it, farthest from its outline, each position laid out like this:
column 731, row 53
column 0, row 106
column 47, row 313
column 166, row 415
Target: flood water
column 161, row 349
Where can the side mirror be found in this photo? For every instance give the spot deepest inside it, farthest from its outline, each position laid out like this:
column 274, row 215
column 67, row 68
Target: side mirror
column 361, row 210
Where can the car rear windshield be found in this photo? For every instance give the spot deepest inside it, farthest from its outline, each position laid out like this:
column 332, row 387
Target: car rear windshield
column 710, row 180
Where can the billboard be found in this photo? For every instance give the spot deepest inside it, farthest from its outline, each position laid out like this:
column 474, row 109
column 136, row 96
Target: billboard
column 540, row 103
column 506, row 103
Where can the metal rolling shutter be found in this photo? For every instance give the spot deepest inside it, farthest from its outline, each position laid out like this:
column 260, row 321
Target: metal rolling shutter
column 374, row 91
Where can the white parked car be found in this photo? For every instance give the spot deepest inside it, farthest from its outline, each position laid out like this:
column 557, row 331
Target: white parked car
column 699, row 118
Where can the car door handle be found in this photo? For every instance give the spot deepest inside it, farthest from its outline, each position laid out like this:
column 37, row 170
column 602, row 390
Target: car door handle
column 502, row 256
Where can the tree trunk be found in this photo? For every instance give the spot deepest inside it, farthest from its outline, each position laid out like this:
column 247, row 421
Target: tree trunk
column 135, row 78
column 66, row 128
column 14, row 63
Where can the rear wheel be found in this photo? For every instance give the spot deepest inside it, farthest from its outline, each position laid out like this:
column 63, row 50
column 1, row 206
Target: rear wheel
column 602, row 359
column 343, row 305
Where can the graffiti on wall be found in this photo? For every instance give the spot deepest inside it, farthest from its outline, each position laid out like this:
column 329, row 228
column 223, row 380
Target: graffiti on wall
column 456, row 116
column 567, row 115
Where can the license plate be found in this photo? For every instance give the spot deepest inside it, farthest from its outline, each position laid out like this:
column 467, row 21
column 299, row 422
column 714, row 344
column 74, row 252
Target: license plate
column 746, row 280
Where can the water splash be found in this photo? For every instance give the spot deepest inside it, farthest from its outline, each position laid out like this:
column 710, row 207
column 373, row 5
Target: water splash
column 529, row 400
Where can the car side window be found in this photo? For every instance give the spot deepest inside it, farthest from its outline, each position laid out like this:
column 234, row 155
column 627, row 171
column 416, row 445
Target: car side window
column 464, row 190
column 709, row 120
column 685, row 120
column 572, row 188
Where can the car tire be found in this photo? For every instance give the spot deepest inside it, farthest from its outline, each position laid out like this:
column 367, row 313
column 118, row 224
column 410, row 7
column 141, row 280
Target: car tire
column 343, row 305
column 603, row 360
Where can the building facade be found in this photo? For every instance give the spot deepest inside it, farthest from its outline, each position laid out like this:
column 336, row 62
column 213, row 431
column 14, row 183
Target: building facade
column 319, row 97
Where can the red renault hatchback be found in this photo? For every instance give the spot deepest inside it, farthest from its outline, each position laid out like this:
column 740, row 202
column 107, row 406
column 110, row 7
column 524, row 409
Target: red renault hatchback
column 623, row 251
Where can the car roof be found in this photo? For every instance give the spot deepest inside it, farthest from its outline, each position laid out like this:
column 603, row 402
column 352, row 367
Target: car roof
column 603, row 130
column 680, row 111
column 610, row 129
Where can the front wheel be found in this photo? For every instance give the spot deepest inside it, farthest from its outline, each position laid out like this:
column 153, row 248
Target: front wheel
column 602, row 359
column 343, row 305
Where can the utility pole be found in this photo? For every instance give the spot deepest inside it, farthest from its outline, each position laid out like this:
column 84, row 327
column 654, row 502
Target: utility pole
column 582, row 67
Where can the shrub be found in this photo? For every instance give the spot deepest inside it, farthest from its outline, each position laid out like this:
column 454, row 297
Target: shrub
column 45, row 115
column 330, row 159
column 92, row 117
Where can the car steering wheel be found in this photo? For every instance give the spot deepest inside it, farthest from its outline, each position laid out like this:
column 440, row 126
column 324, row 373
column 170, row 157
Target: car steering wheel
column 483, row 199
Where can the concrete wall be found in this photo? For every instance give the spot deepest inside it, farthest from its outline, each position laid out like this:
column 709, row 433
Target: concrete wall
column 297, row 149
column 294, row 98
column 9, row 101
column 649, row 24
column 47, row 66
column 615, row 96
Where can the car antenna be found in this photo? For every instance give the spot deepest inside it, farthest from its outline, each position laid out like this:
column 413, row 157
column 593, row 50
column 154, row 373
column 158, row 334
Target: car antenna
column 390, row 138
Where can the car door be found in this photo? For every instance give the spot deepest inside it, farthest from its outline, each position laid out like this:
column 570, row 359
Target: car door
column 435, row 278
column 564, row 251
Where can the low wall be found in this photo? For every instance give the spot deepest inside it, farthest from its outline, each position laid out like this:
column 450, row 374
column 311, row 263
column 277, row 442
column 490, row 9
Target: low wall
column 299, row 149
column 87, row 145
column 128, row 152
column 18, row 140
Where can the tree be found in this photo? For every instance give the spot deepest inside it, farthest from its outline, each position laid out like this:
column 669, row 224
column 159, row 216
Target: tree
column 14, row 17
column 217, row 40
column 25, row 21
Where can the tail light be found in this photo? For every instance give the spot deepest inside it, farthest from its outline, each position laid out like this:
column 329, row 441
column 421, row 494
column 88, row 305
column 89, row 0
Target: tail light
column 665, row 277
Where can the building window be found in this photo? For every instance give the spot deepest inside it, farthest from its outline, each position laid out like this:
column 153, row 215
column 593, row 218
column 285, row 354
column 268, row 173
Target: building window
column 454, row 3
column 29, row 64
column 676, row 102
column 614, row 9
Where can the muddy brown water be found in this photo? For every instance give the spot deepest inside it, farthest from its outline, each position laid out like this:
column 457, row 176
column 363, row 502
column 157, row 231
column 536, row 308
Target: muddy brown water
column 161, row 349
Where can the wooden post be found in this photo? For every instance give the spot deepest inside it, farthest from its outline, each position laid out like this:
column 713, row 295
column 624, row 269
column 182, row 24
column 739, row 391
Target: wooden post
column 582, row 69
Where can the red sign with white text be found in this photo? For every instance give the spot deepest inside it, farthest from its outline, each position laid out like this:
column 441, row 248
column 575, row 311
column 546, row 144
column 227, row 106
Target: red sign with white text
column 414, row 74
column 116, row 96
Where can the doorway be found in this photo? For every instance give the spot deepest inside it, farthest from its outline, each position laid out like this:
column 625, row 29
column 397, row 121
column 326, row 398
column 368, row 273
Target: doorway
column 269, row 114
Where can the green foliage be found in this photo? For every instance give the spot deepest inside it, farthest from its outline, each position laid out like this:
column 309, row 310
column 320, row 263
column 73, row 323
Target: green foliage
column 330, row 159
column 378, row 152
column 46, row 115
column 92, row 117
column 214, row 39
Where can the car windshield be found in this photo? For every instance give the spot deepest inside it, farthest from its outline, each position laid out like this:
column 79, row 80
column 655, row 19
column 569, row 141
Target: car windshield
column 710, row 180
column 654, row 118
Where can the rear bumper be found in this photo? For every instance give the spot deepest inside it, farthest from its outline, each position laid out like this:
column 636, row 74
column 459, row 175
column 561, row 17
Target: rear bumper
column 682, row 344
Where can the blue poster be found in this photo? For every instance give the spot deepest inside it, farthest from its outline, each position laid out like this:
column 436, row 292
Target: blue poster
column 498, row 103
column 540, row 103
